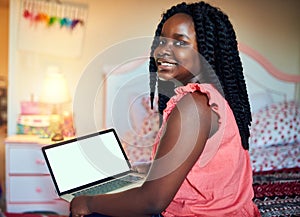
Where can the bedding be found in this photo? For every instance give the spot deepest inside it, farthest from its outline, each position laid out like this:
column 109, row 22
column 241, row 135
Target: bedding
column 277, row 192
column 275, row 136
column 276, row 124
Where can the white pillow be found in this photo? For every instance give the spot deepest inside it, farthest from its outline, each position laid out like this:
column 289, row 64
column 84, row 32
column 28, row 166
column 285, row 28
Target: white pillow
column 260, row 100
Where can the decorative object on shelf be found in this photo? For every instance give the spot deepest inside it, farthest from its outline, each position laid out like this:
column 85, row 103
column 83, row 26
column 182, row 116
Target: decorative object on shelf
column 34, row 118
column 33, row 125
column 68, row 124
column 56, row 93
column 34, row 108
column 52, row 27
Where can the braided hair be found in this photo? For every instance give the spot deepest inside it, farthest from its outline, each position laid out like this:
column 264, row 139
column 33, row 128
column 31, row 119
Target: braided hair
column 216, row 41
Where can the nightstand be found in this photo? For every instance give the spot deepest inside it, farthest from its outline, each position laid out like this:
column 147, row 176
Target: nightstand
column 29, row 187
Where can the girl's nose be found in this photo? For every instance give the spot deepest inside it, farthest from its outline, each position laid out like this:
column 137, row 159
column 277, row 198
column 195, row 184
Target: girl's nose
column 164, row 50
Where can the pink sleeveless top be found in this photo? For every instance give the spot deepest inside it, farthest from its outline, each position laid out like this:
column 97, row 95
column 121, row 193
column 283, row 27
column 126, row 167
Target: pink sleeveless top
column 220, row 183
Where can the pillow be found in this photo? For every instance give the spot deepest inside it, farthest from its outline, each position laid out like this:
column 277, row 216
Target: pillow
column 138, row 142
column 260, row 100
column 276, row 124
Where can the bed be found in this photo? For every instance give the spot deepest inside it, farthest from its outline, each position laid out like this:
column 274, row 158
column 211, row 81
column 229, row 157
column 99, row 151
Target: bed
column 274, row 100
column 275, row 135
column 275, row 131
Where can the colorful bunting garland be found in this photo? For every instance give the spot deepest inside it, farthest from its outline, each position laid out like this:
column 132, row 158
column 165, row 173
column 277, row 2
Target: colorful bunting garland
column 37, row 13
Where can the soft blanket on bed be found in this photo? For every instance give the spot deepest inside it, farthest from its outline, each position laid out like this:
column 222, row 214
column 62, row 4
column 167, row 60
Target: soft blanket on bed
column 277, row 193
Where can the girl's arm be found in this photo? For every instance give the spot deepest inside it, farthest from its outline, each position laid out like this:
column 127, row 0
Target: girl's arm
column 186, row 132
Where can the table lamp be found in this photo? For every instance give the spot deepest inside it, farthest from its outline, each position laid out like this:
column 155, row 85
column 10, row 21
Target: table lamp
column 55, row 92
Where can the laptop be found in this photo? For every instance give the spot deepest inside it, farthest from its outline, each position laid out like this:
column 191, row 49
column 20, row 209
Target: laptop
column 90, row 165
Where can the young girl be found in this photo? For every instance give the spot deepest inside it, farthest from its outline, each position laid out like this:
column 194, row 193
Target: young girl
column 200, row 165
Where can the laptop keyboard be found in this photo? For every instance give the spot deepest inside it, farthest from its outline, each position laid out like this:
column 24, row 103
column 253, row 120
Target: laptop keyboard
column 109, row 186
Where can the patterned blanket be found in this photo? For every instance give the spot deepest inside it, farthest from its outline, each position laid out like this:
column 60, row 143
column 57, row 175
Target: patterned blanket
column 277, row 193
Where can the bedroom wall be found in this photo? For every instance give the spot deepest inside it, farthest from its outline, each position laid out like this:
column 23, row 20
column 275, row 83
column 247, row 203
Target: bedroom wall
column 270, row 27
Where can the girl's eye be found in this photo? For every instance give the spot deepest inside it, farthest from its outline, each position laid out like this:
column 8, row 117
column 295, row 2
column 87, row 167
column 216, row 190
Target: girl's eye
column 176, row 43
column 161, row 42
column 180, row 43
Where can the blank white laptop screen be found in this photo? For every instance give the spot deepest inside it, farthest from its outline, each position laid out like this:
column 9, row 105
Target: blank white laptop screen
column 87, row 160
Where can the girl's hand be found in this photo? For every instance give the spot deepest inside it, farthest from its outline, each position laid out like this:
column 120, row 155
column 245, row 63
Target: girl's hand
column 79, row 206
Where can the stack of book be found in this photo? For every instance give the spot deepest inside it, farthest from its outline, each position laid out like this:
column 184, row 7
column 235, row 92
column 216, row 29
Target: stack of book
column 34, row 119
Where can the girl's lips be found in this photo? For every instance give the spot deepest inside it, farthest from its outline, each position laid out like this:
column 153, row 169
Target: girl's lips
column 165, row 64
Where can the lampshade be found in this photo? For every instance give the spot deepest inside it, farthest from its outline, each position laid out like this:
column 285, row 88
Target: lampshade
column 55, row 90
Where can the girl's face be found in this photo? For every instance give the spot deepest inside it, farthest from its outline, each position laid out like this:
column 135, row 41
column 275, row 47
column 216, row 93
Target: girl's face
column 177, row 56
